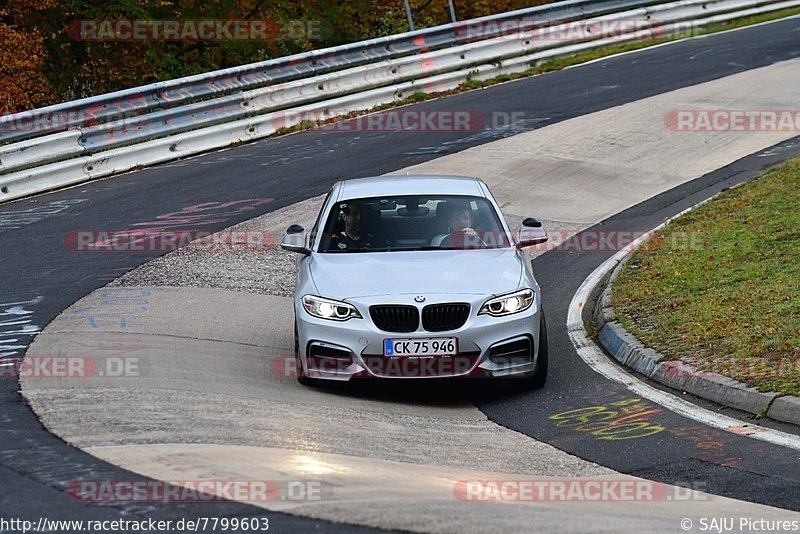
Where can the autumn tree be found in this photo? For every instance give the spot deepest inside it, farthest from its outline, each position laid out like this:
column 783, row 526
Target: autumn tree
column 23, row 84
column 44, row 60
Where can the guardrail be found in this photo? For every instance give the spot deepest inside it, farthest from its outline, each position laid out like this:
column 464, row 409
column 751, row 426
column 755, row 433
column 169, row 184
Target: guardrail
column 163, row 95
column 160, row 122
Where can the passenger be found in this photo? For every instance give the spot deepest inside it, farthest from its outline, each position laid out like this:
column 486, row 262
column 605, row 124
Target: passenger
column 459, row 221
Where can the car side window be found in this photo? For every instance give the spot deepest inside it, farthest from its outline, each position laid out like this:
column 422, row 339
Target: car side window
column 314, row 229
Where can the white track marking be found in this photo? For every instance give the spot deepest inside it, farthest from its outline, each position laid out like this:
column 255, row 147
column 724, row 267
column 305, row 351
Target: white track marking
column 596, row 358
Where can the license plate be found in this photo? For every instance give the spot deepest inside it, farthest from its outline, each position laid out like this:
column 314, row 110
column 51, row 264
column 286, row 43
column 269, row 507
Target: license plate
column 440, row 346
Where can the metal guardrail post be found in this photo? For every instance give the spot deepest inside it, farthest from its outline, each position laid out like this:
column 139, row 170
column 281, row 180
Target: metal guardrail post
column 410, row 18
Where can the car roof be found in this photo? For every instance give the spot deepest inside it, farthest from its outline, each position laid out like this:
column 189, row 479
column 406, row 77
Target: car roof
column 410, row 185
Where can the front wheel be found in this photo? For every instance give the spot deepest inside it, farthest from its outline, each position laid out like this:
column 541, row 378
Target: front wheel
column 539, row 377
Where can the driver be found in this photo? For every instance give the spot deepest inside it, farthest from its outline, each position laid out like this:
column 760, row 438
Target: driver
column 355, row 235
column 459, row 220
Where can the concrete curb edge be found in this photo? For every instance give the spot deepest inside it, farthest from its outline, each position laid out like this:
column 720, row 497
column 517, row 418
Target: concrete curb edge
column 630, row 352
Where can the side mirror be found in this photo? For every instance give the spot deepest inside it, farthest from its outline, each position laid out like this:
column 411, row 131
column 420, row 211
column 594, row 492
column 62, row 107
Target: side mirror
column 531, row 233
column 295, row 229
column 295, row 240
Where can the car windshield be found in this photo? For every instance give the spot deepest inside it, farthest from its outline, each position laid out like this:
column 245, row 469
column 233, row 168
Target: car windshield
column 402, row 223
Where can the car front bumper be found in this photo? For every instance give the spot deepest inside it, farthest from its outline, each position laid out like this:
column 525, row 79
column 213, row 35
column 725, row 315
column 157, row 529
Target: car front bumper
column 488, row 346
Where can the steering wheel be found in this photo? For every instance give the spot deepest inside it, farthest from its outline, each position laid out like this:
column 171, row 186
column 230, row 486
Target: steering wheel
column 448, row 238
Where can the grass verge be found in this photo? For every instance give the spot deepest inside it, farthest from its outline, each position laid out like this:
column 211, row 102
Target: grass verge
column 719, row 288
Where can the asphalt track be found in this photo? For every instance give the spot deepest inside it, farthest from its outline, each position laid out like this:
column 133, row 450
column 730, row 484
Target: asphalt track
column 292, row 168
column 687, row 452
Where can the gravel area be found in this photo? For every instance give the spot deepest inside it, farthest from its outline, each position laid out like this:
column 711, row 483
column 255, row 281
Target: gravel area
column 268, row 271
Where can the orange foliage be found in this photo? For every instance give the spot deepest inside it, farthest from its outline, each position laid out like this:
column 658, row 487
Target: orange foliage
column 41, row 63
column 23, row 84
column 22, row 81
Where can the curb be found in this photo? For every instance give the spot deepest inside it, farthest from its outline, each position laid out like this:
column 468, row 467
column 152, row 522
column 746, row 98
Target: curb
column 630, row 352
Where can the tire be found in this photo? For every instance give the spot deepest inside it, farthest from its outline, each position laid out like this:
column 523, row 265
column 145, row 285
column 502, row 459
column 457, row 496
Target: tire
column 301, row 373
column 539, row 378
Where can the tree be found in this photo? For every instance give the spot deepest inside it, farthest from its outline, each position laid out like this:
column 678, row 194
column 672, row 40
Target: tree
column 44, row 60
column 23, row 84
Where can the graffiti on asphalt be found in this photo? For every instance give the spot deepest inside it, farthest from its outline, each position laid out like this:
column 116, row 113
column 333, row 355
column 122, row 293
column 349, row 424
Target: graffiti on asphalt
column 625, row 419
column 19, row 218
column 17, row 327
column 116, row 308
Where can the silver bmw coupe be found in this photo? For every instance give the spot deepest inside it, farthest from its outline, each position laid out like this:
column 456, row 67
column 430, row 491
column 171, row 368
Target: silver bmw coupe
column 416, row 277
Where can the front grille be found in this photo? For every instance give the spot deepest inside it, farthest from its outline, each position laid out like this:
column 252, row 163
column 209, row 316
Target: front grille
column 395, row 318
column 441, row 317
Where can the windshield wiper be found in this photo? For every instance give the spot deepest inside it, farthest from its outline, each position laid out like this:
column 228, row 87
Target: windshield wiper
column 346, row 250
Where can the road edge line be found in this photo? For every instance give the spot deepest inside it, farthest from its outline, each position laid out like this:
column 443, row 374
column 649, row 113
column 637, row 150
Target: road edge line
column 596, row 358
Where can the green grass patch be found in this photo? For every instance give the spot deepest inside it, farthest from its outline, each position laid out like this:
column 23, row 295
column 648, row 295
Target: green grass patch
column 719, row 288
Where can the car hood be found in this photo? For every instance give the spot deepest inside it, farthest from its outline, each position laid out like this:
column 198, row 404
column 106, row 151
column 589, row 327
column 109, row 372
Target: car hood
column 472, row 272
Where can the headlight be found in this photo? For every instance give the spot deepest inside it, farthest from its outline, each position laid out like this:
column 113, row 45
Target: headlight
column 329, row 309
column 508, row 304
